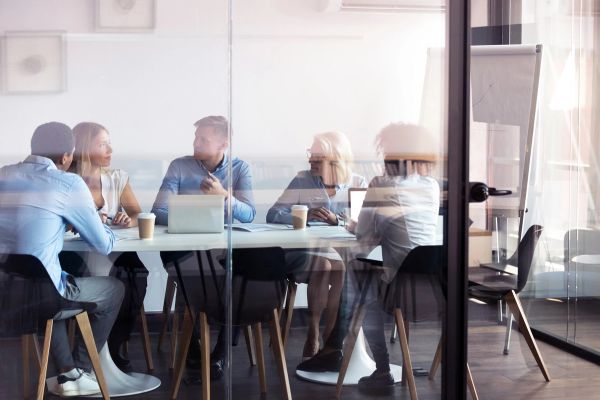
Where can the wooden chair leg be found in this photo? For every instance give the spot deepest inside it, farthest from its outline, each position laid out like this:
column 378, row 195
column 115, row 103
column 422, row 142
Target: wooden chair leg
column 184, row 344
column 146, row 339
column 37, row 350
column 167, row 305
column 249, row 345
column 349, row 343
column 279, row 353
column 45, row 356
column 517, row 309
column 471, row 384
column 260, row 356
column 407, row 363
column 25, row 353
column 88, row 338
column 289, row 310
column 437, row 359
column 174, row 336
column 205, row 356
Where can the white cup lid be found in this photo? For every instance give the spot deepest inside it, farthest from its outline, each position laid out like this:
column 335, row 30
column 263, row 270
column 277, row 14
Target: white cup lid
column 299, row 207
column 146, row 215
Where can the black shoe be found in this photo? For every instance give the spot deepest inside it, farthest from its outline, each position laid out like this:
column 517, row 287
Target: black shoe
column 322, row 362
column 216, row 369
column 377, row 380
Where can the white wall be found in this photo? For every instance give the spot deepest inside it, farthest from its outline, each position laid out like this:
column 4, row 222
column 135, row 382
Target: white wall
column 295, row 72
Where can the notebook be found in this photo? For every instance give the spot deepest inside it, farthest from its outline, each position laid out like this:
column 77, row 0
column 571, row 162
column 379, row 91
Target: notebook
column 356, row 196
column 196, row 213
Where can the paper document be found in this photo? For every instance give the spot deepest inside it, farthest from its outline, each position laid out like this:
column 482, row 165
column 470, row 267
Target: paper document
column 261, row 227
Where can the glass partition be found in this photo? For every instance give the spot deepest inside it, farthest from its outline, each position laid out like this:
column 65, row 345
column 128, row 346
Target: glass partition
column 327, row 101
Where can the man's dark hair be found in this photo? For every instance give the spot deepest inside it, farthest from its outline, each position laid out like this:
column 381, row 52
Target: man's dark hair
column 218, row 122
column 52, row 140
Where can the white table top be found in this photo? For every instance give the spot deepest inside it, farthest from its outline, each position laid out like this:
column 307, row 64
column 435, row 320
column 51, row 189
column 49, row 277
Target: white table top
column 587, row 259
column 312, row 237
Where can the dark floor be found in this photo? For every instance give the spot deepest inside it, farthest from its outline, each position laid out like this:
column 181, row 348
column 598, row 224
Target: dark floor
column 497, row 376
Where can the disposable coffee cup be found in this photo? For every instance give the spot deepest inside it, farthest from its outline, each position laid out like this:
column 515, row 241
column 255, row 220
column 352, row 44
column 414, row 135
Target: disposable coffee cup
column 146, row 225
column 299, row 215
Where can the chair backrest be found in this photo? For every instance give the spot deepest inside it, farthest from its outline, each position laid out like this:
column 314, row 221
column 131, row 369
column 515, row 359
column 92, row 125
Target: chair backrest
column 257, row 286
column 422, row 260
column 27, row 294
column 523, row 257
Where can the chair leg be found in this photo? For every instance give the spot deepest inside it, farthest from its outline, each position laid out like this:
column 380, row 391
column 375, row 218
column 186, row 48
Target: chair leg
column 37, row 350
column 517, row 309
column 509, row 320
column 471, row 384
column 279, row 352
column 289, row 310
column 394, row 334
column 249, row 345
column 25, row 353
column 260, row 356
column 167, row 305
column 205, row 349
column 45, row 356
column 437, row 359
column 188, row 326
column 349, row 343
column 88, row 339
column 407, row 363
column 146, row 339
column 174, row 336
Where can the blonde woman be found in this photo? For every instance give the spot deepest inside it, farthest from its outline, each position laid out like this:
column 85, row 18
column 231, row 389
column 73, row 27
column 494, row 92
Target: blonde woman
column 324, row 189
column 118, row 207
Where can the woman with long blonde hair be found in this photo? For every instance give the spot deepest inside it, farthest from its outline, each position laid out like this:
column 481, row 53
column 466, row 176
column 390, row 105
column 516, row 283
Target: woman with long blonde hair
column 117, row 206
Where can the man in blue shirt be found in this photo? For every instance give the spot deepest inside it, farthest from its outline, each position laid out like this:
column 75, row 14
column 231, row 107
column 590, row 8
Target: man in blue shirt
column 206, row 173
column 38, row 202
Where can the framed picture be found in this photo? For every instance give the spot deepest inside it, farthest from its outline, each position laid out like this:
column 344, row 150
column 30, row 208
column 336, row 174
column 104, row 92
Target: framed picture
column 33, row 62
column 125, row 15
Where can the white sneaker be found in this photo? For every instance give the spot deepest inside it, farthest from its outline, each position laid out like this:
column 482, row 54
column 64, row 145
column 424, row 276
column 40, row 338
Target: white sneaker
column 82, row 384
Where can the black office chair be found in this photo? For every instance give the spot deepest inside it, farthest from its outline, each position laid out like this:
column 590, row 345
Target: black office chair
column 28, row 299
column 422, row 260
column 508, row 287
column 258, row 286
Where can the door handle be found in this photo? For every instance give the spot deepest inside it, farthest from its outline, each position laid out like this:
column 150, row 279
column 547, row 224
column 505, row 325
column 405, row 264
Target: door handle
column 479, row 192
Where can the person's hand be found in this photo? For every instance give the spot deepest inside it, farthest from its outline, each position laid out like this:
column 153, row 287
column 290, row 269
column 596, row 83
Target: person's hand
column 322, row 214
column 212, row 185
column 103, row 216
column 351, row 226
column 121, row 219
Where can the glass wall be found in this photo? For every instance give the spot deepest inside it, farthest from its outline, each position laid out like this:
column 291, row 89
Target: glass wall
column 566, row 287
column 319, row 128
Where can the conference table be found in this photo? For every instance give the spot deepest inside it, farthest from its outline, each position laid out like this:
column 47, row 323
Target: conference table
column 262, row 235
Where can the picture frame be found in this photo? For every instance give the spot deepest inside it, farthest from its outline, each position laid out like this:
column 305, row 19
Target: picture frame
column 125, row 15
column 33, row 62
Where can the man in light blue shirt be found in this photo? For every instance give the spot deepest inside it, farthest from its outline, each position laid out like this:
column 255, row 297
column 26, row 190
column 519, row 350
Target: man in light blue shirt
column 38, row 202
column 206, row 173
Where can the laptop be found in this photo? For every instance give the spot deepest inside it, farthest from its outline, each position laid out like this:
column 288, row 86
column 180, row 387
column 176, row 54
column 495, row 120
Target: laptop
column 356, row 197
column 196, row 213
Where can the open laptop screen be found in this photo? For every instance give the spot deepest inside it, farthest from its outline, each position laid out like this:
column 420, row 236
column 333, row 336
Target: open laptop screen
column 356, row 196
